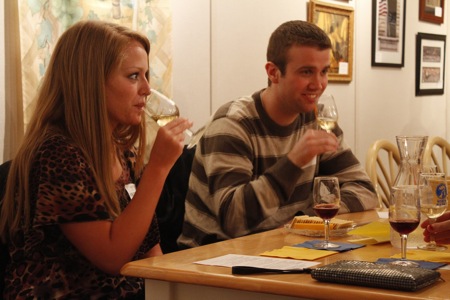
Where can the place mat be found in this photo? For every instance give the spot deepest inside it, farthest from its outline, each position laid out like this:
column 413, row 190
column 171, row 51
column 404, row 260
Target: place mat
column 422, row 263
column 433, row 256
column 342, row 246
column 374, row 233
column 298, row 253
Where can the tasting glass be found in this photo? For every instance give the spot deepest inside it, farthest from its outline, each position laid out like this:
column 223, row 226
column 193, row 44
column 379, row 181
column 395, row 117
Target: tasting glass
column 327, row 201
column 326, row 112
column 404, row 216
column 163, row 110
column 433, row 202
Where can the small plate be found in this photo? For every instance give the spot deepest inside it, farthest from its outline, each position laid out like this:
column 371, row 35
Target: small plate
column 319, row 233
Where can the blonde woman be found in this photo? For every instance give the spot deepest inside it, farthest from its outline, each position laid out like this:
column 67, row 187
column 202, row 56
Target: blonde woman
column 67, row 215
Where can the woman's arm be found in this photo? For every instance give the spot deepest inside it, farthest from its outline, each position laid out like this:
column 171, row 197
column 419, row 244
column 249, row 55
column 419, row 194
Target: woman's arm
column 109, row 245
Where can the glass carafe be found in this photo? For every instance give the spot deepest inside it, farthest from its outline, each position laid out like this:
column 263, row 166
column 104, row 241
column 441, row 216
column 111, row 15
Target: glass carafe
column 411, row 154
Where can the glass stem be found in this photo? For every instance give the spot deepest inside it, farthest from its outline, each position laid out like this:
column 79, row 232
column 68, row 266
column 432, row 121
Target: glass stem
column 327, row 231
column 431, row 221
column 404, row 238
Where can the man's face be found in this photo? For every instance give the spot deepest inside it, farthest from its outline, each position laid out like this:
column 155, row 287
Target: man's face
column 305, row 78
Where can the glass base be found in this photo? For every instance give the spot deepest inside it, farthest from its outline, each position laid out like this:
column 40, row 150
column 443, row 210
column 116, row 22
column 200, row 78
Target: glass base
column 325, row 245
column 432, row 247
column 404, row 263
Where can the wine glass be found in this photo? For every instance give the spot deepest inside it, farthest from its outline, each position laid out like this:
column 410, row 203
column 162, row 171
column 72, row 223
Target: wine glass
column 163, row 110
column 327, row 201
column 326, row 112
column 404, row 216
column 433, row 202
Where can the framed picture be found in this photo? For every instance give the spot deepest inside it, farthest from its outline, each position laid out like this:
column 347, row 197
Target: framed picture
column 430, row 64
column 337, row 22
column 388, row 33
column 431, row 11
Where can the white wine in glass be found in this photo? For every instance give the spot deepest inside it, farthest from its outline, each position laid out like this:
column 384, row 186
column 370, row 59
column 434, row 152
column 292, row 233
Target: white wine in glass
column 163, row 110
column 326, row 112
column 433, row 202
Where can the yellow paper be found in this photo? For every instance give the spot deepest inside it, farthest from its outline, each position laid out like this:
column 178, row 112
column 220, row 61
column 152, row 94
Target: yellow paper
column 298, row 253
column 374, row 233
column 431, row 256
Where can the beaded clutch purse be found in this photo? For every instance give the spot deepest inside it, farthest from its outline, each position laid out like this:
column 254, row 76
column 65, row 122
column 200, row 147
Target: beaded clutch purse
column 376, row 275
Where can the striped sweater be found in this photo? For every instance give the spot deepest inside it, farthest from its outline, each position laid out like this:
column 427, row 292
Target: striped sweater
column 242, row 181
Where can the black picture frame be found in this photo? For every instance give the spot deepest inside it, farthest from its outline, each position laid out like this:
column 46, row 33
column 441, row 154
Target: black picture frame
column 388, row 33
column 430, row 64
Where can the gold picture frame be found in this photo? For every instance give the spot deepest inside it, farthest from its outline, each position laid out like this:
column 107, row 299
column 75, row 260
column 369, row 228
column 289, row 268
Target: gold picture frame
column 337, row 21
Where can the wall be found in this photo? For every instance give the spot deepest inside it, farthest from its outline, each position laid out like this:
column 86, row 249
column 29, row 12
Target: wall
column 385, row 99
column 191, row 31
column 380, row 102
column 219, row 54
column 236, row 36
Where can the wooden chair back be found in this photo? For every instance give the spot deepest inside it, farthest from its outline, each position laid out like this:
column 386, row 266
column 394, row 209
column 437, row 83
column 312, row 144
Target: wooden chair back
column 382, row 165
column 437, row 152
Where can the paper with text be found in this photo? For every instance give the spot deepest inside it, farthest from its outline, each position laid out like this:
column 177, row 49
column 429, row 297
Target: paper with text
column 230, row 260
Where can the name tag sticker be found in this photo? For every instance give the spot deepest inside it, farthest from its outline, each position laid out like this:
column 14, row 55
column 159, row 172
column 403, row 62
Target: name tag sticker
column 131, row 189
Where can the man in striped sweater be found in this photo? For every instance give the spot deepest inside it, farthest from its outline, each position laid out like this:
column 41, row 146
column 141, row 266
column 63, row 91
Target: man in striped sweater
column 253, row 168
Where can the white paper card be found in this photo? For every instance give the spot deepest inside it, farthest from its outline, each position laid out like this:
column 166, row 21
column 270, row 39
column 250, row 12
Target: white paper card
column 343, row 68
column 231, row 260
column 383, row 214
column 438, row 12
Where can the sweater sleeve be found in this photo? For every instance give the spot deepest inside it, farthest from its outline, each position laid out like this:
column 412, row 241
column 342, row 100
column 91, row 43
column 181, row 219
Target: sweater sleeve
column 357, row 191
column 242, row 197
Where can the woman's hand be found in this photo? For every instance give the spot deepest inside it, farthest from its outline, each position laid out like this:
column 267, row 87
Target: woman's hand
column 440, row 229
column 169, row 143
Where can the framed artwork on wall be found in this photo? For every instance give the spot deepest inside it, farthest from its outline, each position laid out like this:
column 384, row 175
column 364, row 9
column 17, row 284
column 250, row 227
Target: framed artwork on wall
column 431, row 11
column 430, row 64
column 337, row 22
column 388, row 33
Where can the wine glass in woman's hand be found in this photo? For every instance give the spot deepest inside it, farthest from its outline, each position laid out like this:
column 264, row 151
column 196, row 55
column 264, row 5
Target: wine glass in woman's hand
column 163, row 110
column 433, row 202
column 327, row 201
column 326, row 112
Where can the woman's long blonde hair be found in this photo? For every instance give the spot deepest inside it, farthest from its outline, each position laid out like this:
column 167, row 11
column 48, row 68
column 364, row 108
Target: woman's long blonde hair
column 71, row 100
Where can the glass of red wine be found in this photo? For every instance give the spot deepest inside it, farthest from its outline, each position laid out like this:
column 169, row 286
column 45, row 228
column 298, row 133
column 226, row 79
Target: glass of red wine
column 404, row 216
column 327, row 201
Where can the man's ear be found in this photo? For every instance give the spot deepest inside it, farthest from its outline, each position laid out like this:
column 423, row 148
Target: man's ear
column 273, row 73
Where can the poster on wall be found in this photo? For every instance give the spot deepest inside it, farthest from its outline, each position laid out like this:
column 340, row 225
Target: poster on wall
column 430, row 64
column 337, row 22
column 388, row 33
column 41, row 23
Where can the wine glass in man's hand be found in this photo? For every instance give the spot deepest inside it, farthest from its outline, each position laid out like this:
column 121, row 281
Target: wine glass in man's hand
column 326, row 112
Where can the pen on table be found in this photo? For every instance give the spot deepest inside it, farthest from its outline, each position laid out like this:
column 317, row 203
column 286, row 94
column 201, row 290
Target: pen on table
column 246, row 270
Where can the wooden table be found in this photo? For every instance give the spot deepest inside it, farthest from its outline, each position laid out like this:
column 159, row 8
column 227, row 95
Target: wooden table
column 175, row 276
